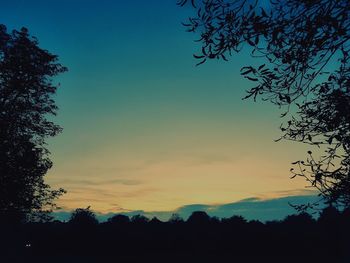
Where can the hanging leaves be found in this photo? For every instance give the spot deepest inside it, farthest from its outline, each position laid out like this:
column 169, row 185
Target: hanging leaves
column 298, row 40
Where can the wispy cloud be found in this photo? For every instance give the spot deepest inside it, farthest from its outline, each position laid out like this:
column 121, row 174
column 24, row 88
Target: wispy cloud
column 98, row 182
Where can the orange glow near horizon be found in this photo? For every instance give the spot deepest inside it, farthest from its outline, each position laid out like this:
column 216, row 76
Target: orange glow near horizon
column 164, row 172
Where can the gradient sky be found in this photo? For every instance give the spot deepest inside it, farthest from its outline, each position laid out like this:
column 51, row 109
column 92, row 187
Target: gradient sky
column 144, row 129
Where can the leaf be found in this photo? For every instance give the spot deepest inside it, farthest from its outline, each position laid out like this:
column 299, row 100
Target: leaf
column 252, row 79
column 223, row 57
column 256, row 40
column 198, row 57
column 193, row 3
column 200, row 63
column 250, row 42
column 288, row 99
column 330, row 140
column 261, row 67
column 247, row 72
column 280, row 97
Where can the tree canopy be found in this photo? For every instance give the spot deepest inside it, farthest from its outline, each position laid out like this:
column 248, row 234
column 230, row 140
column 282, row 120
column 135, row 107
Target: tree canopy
column 26, row 102
column 306, row 72
column 200, row 238
column 83, row 217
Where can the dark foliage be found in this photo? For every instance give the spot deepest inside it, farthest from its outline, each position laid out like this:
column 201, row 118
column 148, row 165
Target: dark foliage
column 119, row 219
column 139, row 219
column 305, row 45
column 199, row 239
column 83, row 217
column 26, row 91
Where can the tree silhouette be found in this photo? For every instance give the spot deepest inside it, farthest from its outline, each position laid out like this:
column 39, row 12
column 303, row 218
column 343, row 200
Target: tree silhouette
column 83, row 217
column 176, row 219
column 299, row 219
column 305, row 45
column 201, row 239
column 237, row 220
column 139, row 219
column 26, row 101
column 199, row 218
column 119, row 219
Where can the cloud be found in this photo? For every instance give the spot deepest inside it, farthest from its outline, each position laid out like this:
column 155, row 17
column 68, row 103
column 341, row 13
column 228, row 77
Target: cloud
column 251, row 208
column 119, row 181
column 263, row 210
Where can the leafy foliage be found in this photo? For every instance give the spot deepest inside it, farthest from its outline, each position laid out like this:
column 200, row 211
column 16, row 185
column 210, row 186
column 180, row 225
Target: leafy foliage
column 305, row 44
column 26, row 91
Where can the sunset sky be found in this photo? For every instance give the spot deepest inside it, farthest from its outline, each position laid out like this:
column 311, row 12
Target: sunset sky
column 144, row 128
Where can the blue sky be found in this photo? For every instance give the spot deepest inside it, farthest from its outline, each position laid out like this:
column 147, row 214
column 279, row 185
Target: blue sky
column 144, row 129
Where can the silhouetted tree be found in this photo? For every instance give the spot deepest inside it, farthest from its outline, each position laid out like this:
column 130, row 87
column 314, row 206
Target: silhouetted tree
column 139, row 219
column 155, row 221
column 203, row 240
column 346, row 214
column 83, row 217
column 175, row 219
column 235, row 220
column 119, row 219
column 199, row 218
column 26, row 90
column 299, row 219
column 346, row 219
column 305, row 45
column 329, row 215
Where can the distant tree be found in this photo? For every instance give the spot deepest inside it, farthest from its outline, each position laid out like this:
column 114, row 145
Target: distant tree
column 139, row 219
column 346, row 218
column 329, row 215
column 155, row 221
column 235, row 220
column 305, row 48
column 175, row 219
column 119, row 219
column 199, row 218
column 26, row 90
column 83, row 217
column 346, row 214
column 302, row 219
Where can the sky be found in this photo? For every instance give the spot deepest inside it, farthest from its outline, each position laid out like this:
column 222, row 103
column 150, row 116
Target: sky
column 144, row 128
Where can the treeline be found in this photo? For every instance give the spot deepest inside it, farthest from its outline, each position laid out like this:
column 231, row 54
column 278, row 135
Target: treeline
column 201, row 238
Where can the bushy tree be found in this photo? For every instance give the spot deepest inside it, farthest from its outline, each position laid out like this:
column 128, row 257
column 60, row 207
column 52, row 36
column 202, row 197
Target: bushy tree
column 139, row 219
column 26, row 90
column 199, row 218
column 299, row 219
column 235, row 220
column 83, row 217
column 119, row 219
column 175, row 219
column 306, row 72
